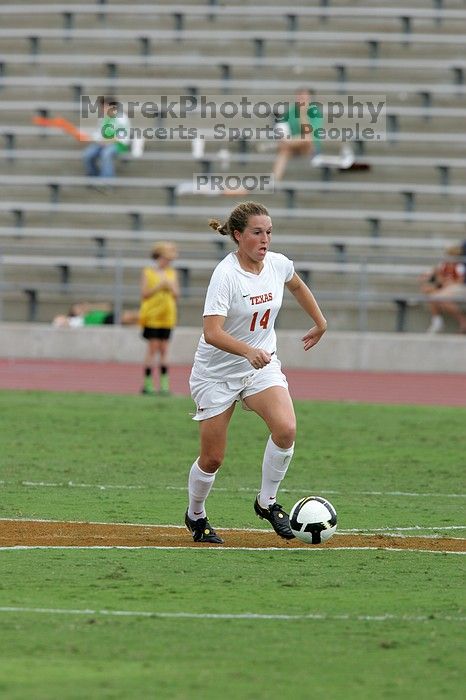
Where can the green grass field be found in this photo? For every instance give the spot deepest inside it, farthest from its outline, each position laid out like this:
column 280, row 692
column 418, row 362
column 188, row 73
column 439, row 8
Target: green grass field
column 189, row 624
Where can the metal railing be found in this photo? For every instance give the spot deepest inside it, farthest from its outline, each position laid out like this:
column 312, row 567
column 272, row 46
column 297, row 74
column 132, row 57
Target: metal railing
column 358, row 285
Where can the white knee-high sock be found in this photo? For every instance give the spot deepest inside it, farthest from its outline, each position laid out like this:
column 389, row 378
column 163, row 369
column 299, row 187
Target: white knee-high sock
column 199, row 485
column 274, row 468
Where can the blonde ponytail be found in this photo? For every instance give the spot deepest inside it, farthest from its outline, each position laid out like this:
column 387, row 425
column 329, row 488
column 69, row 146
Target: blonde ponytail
column 217, row 226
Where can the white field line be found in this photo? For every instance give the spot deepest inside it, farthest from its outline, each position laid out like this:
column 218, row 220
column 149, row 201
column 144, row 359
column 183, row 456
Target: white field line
column 411, row 528
column 140, row 487
column 388, row 531
column 385, row 617
column 332, row 492
column 218, row 548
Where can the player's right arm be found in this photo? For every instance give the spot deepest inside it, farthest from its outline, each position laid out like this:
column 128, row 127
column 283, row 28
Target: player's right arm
column 147, row 290
column 215, row 335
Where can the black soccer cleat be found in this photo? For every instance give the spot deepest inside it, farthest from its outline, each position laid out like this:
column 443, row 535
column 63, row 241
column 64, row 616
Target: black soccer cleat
column 277, row 518
column 202, row 530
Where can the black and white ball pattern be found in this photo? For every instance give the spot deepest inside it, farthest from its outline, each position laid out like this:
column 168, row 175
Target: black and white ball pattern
column 313, row 520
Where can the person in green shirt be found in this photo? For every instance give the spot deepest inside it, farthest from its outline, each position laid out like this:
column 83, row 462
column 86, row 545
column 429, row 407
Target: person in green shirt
column 100, row 314
column 300, row 124
column 110, row 140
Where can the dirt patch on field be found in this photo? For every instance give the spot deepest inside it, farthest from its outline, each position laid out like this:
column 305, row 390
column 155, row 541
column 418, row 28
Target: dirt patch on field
column 30, row 533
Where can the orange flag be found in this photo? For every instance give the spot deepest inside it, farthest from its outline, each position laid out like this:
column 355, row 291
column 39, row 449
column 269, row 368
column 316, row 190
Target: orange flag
column 63, row 124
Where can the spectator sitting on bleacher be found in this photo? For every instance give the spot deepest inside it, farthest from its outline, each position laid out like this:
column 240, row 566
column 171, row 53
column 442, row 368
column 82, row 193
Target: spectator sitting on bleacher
column 110, row 140
column 100, row 314
column 299, row 125
column 446, row 287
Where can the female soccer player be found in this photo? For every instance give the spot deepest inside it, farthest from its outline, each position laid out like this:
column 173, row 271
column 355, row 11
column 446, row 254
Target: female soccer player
column 236, row 359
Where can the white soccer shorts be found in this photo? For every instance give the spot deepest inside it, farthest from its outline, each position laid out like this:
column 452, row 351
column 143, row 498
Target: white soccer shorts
column 212, row 398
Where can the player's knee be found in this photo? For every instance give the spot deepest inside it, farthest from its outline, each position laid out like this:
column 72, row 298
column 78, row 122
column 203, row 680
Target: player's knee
column 212, row 463
column 285, row 434
column 284, row 147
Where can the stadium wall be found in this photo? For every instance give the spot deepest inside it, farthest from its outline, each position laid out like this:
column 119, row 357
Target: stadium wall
column 391, row 352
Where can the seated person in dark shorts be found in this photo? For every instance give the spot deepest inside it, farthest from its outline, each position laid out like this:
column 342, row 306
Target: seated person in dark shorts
column 158, row 311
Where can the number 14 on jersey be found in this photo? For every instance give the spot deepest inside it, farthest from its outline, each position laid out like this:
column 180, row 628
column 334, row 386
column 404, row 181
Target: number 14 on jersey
column 263, row 321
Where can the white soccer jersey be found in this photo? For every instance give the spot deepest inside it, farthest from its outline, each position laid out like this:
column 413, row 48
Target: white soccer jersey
column 250, row 304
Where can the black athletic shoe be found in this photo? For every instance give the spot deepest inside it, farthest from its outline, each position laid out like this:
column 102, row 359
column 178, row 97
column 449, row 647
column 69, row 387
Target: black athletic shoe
column 202, row 530
column 277, row 518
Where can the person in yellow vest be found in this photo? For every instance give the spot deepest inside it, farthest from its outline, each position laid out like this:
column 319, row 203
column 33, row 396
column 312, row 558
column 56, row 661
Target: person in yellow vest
column 158, row 313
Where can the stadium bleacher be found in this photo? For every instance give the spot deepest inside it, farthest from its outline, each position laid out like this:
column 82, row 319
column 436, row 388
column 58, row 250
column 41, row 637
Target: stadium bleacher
column 361, row 237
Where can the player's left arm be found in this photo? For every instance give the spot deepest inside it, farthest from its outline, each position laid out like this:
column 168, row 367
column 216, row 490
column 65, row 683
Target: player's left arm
column 306, row 300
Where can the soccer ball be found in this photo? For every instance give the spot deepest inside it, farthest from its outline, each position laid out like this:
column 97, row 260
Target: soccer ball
column 313, row 520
